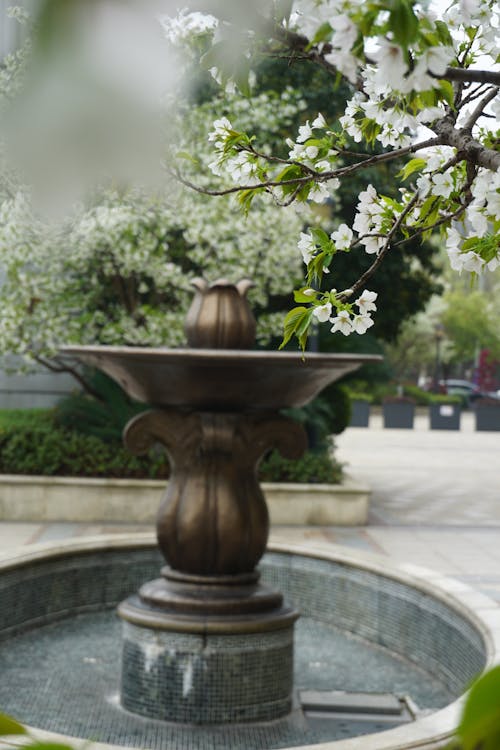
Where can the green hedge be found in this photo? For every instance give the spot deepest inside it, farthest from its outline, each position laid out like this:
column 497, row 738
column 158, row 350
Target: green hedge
column 49, row 451
column 36, row 446
column 312, row 468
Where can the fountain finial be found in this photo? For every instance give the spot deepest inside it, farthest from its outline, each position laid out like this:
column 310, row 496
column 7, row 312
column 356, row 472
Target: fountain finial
column 220, row 316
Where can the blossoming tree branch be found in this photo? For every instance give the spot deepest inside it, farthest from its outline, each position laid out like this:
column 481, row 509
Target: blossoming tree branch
column 425, row 87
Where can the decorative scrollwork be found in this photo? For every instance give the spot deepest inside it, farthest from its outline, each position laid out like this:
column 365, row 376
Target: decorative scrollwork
column 177, row 431
column 264, row 433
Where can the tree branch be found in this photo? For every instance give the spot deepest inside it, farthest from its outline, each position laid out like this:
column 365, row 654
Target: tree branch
column 361, row 282
column 299, row 43
column 478, row 110
column 55, row 365
column 470, row 75
column 313, row 175
column 466, row 145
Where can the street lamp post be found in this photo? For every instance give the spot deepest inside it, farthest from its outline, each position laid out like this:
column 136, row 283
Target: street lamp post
column 438, row 338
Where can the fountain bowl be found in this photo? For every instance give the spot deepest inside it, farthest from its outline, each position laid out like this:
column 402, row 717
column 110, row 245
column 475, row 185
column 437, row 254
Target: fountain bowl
column 192, row 378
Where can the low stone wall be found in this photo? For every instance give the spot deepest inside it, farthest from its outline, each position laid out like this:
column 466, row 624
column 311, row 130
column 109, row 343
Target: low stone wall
column 41, row 499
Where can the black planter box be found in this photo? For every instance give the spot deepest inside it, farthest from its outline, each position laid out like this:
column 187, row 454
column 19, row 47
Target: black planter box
column 360, row 413
column 398, row 415
column 488, row 417
column 445, row 416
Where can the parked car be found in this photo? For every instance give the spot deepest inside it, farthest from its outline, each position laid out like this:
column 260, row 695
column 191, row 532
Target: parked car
column 468, row 392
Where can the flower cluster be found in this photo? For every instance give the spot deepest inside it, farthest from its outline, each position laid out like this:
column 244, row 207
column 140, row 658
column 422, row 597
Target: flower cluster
column 341, row 314
column 181, row 28
column 347, row 322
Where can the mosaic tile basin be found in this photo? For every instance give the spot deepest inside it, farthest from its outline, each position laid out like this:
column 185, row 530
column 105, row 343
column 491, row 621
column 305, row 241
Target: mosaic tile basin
column 366, row 626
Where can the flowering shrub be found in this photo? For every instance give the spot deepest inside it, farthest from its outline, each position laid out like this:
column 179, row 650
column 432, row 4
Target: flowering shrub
column 119, row 271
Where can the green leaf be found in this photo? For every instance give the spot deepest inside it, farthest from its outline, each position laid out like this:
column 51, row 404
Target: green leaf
column 292, row 172
column 414, row 165
column 299, row 295
column 323, row 34
column 470, row 244
column 305, row 322
column 216, row 55
column 480, row 722
column 447, row 92
column 241, row 77
column 303, row 339
column 292, row 321
column 443, row 33
column 245, row 198
column 315, row 268
column 428, row 207
column 403, row 23
column 321, row 238
column 370, row 129
column 8, row 726
column 187, row 156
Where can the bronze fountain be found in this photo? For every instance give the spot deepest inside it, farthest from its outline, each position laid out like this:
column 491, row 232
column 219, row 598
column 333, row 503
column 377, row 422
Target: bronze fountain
column 206, row 642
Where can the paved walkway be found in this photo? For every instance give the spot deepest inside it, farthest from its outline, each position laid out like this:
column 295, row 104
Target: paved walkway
column 436, row 502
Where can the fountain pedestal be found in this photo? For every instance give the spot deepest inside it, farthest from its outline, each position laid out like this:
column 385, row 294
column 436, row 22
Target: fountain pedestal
column 206, row 643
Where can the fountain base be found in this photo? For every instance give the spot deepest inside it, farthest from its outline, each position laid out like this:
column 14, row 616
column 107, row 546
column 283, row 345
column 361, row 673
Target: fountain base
column 207, row 650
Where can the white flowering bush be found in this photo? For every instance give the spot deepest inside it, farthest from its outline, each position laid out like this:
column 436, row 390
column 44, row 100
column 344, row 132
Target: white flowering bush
column 425, row 87
column 119, row 271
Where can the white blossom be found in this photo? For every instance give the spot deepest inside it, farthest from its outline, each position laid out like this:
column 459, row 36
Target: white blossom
column 437, row 59
column 366, row 302
column 342, row 237
column 307, row 247
column 323, row 312
column 372, row 244
column 222, row 126
column 443, row 184
column 319, row 122
column 186, row 24
column 320, row 191
column 305, row 132
column 361, row 323
column 478, row 220
column 342, row 322
column 391, row 65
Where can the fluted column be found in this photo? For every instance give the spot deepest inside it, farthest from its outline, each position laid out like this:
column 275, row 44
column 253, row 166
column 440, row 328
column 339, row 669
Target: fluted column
column 213, row 520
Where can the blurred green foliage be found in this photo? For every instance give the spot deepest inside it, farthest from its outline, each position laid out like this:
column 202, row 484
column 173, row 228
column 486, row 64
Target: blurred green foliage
column 32, row 443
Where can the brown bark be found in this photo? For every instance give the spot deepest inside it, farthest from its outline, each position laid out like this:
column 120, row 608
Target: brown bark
column 467, row 146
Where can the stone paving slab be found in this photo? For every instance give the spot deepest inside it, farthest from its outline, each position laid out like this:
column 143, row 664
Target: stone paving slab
column 426, row 477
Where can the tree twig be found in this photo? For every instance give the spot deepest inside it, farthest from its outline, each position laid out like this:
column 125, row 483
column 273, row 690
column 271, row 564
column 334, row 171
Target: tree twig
column 57, row 366
column 361, row 282
column 478, row 110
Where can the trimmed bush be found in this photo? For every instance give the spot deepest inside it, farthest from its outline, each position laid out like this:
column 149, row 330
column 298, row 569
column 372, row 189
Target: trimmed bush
column 51, row 451
column 313, row 468
column 35, row 446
